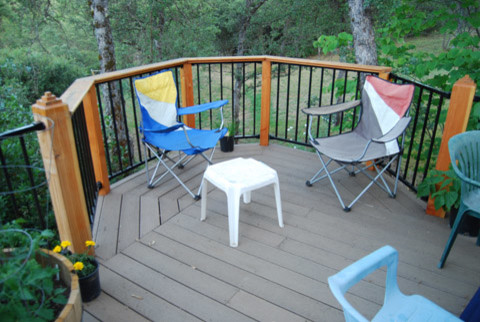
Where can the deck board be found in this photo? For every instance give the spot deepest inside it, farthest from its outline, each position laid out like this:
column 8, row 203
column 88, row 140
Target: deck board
column 160, row 262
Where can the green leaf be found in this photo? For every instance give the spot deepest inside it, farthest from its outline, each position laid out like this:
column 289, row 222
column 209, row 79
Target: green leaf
column 439, row 202
column 60, row 300
column 450, row 199
column 423, row 190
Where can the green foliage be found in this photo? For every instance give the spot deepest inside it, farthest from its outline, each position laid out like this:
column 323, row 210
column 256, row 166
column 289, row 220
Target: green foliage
column 444, row 187
column 288, row 27
column 17, row 198
column 412, row 18
column 27, row 75
column 341, row 45
column 29, row 291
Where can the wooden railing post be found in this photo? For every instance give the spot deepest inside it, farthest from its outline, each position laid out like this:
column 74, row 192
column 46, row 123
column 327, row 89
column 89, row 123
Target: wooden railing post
column 384, row 75
column 64, row 183
column 458, row 114
column 265, row 102
column 186, row 78
column 95, row 138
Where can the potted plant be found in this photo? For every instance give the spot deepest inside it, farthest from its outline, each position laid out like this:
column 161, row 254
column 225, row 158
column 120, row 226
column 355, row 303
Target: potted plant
column 86, row 267
column 227, row 142
column 35, row 284
column 445, row 188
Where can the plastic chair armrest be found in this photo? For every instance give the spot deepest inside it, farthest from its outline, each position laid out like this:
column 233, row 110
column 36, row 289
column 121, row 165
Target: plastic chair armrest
column 341, row 282
column 395, row 132
column 355, row 272
column 348, row 309
column 463, row 177
column 327, row 110
column 200, row 108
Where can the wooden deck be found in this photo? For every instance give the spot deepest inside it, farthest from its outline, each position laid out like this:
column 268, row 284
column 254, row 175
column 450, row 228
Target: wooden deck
column 160, row 262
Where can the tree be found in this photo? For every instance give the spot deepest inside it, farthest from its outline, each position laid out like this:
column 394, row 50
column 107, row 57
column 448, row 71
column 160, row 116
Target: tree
column 111, row 92
column 412, row 18
column 363, row 33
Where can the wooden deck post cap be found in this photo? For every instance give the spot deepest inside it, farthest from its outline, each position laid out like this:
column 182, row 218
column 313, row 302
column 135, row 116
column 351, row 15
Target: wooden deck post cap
column 49, row 104
column 466, row 81
column 48, row 101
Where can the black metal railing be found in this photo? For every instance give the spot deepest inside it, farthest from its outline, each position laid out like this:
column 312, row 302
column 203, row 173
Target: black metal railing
column 240, row 84
column 424, row 135
column 90, row 186
column 23, row 179
column 293, row 87
column 123, row 154
column 297, row 86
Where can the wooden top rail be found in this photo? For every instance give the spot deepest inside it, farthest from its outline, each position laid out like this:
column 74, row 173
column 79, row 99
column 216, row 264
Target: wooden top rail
column 74, row 95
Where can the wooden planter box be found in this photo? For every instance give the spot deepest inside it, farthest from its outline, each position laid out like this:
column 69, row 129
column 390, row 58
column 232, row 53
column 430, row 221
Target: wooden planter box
column 73, row 308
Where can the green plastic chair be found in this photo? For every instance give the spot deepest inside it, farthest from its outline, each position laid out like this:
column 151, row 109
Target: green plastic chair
column 465, row 155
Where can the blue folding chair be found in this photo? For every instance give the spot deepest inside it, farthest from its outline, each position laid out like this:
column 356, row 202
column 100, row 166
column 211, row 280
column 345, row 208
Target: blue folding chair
column 164, row 133
column 396, row 306
column 465, row 156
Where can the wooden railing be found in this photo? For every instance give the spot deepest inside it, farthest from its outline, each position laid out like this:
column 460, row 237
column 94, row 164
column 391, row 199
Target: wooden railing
column 66, row 187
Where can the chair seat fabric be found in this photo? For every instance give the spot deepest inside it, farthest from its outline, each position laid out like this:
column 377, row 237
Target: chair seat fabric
column 175, row 140
column 349, row 147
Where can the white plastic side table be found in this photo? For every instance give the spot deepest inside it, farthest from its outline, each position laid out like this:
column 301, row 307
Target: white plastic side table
column 239, row 177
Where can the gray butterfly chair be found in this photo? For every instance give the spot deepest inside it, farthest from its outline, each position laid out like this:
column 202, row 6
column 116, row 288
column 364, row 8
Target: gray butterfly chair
column 465, row 156
column 383, row 120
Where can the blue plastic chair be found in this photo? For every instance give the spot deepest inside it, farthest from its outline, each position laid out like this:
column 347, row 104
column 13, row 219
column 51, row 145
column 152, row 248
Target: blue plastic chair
column 396, row 306
column 164, row 133
column 465, row 156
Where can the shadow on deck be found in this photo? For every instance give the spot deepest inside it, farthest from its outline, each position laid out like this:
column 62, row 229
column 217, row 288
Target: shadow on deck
column 184, row 270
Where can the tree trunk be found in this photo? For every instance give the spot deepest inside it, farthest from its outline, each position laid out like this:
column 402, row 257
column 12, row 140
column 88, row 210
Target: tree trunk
column 363, row 34
column 112, row 101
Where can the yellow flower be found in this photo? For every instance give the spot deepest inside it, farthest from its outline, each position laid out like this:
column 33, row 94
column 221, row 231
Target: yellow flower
column 57, row 249
column 78, row 266
column 65, row 244
column 89, row 243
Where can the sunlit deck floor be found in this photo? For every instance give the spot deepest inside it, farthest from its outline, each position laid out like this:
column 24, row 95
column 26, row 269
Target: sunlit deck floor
column 184, row 270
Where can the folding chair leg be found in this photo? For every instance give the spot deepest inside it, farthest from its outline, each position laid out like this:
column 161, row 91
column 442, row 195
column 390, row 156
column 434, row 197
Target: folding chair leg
column 374, row 180
column 397, row 175
column 316, row 177
column 209, row 160
column 151, row 181
column 333, row 183
column 196, row 197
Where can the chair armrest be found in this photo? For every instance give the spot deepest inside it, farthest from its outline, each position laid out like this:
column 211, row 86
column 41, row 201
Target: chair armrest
column 395, row 132
column 341, row 282
column 200, row 108
column 162, row 129
column 326, row 110
column 463, row 177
